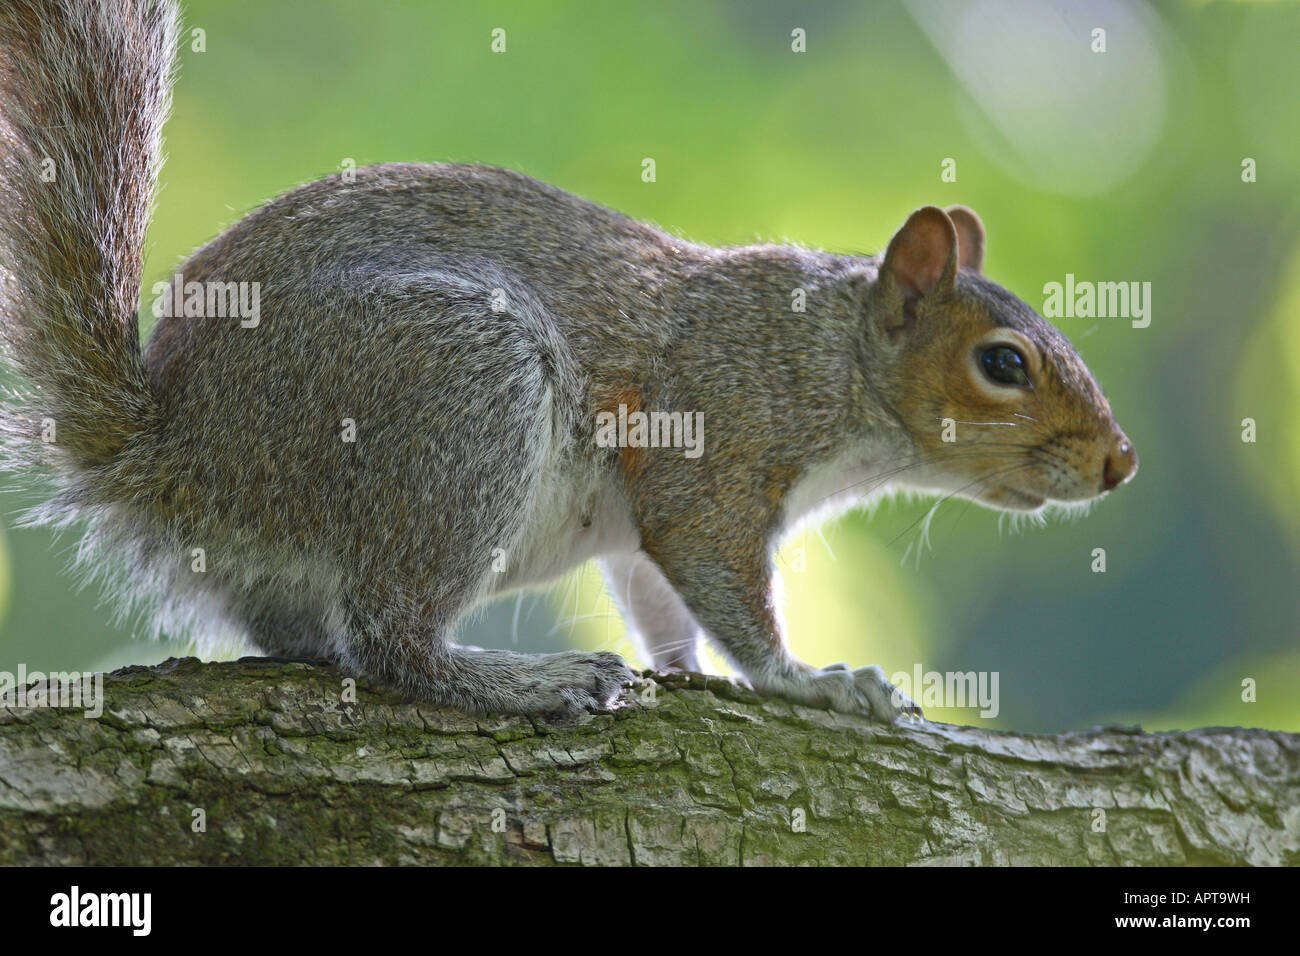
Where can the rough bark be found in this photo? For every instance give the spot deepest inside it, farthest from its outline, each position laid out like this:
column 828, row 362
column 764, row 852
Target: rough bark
column 693, row 770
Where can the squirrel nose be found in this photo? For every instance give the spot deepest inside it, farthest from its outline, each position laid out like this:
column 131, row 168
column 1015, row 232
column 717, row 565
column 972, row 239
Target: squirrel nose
column 1121, row 464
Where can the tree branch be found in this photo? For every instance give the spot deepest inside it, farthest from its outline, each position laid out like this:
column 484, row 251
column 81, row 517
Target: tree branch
column 693, row 770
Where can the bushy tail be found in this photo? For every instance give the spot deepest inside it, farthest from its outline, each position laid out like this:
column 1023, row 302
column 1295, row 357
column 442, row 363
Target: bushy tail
column 84, row 91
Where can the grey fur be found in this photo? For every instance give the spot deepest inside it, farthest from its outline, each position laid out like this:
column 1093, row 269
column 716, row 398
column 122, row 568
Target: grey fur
column 471, row 322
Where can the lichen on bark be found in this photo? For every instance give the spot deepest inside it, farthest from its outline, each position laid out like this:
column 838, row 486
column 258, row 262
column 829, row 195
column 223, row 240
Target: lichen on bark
column 281, row 766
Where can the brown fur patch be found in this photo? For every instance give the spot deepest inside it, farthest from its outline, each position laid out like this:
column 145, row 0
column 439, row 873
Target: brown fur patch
column 631, row 461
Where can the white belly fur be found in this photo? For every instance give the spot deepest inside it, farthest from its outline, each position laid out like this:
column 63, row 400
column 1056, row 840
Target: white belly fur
column 579, row 517
column 574, row 519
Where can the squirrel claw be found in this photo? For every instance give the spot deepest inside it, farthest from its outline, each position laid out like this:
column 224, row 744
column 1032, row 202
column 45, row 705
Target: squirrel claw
column 888, row 703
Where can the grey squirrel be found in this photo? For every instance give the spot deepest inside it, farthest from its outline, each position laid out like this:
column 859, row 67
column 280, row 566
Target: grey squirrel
column 470, row 326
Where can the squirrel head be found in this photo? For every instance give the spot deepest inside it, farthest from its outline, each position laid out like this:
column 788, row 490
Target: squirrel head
column 998, row 405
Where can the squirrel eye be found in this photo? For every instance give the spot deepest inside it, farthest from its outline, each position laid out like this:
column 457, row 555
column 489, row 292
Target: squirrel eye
column 1004, row 365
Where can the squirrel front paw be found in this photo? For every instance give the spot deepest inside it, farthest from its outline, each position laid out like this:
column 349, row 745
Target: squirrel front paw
column 862, row 691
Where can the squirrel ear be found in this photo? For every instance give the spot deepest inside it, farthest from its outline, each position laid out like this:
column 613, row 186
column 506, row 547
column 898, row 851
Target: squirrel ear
column 922, row 256
column 970, row 238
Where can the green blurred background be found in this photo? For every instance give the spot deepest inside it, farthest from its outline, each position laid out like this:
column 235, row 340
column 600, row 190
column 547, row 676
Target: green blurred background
column 1116, row 166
